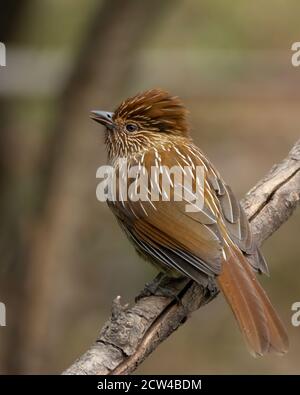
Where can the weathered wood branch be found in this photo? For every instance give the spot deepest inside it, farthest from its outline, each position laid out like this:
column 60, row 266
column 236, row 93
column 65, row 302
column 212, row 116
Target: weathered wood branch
column 132, row 333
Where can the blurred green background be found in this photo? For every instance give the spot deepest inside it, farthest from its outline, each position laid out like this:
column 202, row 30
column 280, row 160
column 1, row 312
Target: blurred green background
column 63, row 257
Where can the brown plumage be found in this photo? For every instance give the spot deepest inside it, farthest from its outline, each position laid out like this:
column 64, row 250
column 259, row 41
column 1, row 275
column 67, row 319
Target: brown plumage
column 150, row 129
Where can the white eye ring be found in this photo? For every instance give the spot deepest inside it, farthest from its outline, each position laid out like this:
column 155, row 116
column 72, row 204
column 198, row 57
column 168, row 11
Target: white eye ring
column 131, row 127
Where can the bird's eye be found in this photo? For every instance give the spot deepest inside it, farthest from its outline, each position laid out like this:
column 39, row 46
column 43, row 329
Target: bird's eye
column 131, row 127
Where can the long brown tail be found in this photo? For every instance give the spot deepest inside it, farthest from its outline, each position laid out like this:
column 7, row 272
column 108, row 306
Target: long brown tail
column 257, row 319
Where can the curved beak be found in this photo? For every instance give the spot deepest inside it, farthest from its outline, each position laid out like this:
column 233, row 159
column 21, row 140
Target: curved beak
column 103, row 117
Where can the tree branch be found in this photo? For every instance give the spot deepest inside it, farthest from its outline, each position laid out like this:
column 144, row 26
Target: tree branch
column 132, row 333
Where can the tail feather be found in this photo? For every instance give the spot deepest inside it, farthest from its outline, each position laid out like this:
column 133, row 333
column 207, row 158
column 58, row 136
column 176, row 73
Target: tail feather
column 257, row 319
column 279, row 339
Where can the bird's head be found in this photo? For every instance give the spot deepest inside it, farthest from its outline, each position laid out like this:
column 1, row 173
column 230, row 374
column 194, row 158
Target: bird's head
column 143, row 120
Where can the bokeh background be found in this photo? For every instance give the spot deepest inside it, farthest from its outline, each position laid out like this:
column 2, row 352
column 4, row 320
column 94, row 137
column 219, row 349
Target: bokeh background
column 63, row 257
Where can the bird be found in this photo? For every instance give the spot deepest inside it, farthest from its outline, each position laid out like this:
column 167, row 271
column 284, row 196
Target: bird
column 214, row 243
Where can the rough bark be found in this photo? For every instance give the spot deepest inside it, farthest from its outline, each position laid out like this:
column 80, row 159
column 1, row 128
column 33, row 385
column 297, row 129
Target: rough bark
column 132, row 333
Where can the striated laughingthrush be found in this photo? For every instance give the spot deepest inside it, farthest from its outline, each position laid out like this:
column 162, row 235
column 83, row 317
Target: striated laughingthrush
column 151, row 129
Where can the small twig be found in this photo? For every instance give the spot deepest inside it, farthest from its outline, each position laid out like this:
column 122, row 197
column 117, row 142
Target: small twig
column 132, row 333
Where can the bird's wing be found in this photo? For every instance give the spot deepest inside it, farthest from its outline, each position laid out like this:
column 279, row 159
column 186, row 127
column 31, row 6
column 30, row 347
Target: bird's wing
column 234, row 217
column 189, row 241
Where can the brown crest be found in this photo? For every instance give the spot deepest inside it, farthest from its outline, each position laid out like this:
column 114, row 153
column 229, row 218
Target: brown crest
column 155, row 109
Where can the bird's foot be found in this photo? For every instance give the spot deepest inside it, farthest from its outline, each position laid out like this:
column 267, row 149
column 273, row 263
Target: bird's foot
column 165, row 286
column 212, row 289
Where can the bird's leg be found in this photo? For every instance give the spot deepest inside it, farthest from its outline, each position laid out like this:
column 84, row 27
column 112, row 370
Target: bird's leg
column 212, row 289
column 151, row 287
column 164, row 285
